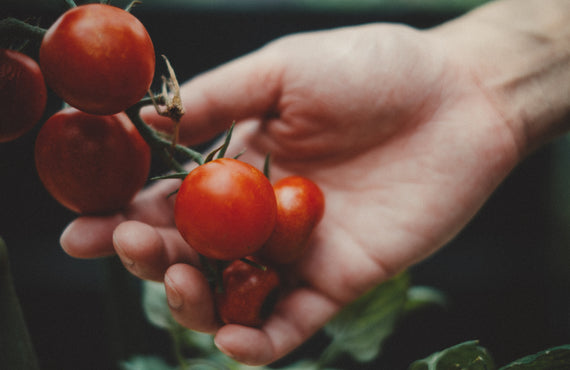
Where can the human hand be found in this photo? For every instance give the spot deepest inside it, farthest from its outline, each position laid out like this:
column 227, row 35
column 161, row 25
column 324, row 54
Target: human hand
column 402, row 139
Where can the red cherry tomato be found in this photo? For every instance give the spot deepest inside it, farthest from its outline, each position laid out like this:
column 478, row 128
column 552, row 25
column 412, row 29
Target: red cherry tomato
column 248, row 293
column 91, row 164
column 98, row 58
column 300, row 207
column 22, row 94
column 225, row 209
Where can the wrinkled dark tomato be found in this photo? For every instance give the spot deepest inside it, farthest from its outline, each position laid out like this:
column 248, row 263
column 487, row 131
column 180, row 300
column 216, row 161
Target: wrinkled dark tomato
column 248, row 293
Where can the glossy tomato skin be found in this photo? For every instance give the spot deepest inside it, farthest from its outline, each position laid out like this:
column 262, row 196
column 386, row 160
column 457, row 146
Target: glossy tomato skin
column 23, row 94
column 98, row 58
column 91, row 164
column 248, row 293
column 225, row 209
column 300, row 207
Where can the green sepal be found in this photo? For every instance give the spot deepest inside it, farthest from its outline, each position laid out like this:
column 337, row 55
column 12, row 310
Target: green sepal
column 466, row 356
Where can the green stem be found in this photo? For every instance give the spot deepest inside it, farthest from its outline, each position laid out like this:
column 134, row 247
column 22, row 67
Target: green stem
column 254, row 264
column 16, row 349
column 12, row 28
column 329, row 355
column 131, row 5
column 176, row 335
column 159, row 144
column 71, row 4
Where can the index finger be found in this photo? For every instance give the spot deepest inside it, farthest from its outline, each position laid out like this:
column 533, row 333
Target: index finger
column 247, row 87
column 92, row 236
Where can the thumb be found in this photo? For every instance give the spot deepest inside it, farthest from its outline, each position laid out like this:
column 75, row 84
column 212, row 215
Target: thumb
column 247, row 87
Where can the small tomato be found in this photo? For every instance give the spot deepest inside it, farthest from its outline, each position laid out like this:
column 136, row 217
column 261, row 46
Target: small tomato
column 248, row 293
column 300, row 207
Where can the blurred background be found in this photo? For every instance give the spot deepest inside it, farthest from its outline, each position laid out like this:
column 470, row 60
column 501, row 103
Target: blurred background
column 507, row 274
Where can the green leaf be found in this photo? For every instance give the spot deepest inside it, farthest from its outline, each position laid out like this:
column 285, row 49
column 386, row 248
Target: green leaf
column 201, row 342
column 463, row 356
column 557, row 358
column 155, row 306
column 204, row 364
column 226, row 144
column 306, row 365
column 146, row 363
column 361, row 327
column 422, row 296
column 175, row 175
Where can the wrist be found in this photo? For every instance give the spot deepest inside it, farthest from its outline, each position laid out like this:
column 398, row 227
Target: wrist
column 519, row 52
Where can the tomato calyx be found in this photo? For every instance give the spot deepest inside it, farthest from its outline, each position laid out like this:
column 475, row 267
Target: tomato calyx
column 171, row 100
column 168, row 104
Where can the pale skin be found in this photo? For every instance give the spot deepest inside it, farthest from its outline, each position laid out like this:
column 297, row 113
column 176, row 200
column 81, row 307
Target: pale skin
column 407, row 132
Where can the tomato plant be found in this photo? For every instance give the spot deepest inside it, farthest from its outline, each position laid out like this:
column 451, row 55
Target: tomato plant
column 300, row 207
column 247, row 294
column 22, row 94
column 98, row 58
column 225, row 209
column 91, row 163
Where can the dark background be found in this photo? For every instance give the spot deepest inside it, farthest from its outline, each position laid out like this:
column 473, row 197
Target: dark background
column 506, row 274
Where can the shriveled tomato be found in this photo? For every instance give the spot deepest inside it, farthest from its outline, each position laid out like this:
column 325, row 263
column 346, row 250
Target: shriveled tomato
column 90, row 163
column 225, row 209
column 22, row 94
column 98, row 58
column 300, row 207
column 248, row 293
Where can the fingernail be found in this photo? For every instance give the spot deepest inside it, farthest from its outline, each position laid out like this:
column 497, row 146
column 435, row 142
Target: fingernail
column 222, row 348
column 126, row 260
column 172, row 296
column 63, row 238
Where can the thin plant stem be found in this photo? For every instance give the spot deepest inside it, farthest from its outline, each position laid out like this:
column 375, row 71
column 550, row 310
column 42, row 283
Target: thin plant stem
column 70, row 4
column 160, row 145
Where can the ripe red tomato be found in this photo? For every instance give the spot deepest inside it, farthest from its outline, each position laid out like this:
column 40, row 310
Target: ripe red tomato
column 225, row 209
column 248, row 293
column 300, row 207
column 91, row 164
column 98, row 58
column 22, row 94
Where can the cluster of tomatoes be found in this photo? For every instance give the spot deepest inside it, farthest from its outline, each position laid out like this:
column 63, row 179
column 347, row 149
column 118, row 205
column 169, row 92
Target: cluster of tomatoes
column 100, row 60
column 228, row 210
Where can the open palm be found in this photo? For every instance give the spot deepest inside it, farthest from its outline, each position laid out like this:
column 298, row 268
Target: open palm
column 401, row 138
